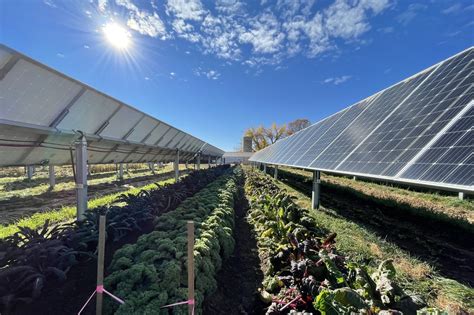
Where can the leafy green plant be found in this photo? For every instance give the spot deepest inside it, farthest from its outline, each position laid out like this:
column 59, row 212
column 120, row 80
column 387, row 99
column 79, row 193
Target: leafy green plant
column 305, row 271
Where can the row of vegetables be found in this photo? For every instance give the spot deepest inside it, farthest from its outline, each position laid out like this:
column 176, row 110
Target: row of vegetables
column 153, row 272
column 30, row 258
column 303, row 270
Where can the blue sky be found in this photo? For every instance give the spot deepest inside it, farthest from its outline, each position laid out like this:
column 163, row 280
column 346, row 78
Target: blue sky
column 215, row 68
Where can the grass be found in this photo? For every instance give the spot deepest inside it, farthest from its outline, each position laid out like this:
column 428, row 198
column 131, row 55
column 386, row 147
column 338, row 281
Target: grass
column 39, row 184
column 444, row 207
column 414, row 275
column 69, row 212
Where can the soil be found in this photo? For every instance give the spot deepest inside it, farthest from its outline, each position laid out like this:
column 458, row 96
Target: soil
column 16, row 208
column 428, row 239
column 241, row 275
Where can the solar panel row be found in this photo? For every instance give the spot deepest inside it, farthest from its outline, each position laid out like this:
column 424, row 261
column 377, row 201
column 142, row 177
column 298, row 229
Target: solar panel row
column 418, row 130
column 42, row 110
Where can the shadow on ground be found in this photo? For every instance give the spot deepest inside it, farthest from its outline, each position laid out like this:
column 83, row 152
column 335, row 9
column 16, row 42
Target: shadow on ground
column 443, row 244
column 240, row 276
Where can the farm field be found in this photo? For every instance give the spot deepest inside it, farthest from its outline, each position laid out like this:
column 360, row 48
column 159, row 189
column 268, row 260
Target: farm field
column 255, row 238
column 21, row 197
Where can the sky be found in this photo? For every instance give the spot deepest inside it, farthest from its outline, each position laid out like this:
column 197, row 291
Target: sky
column 216, row 68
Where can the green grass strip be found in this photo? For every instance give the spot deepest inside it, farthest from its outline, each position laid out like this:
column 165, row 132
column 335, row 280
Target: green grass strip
column 69, row 212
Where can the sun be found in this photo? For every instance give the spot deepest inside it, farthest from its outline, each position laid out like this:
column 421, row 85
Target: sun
column 117, row 35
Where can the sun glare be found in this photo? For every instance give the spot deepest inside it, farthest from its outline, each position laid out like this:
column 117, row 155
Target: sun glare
column 116, row 35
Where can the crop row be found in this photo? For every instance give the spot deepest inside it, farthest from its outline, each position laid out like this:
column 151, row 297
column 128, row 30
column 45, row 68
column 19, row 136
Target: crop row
column 303, row 269
column 30, row 258
column 153, row 271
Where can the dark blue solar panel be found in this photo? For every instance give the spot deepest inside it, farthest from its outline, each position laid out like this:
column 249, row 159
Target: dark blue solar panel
column 419, row 129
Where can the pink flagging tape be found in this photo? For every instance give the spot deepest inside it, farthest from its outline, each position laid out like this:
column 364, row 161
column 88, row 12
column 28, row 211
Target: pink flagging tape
column 100, row 289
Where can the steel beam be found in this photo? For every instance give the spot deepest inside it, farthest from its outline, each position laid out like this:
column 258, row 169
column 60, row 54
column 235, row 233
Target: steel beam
column 30, row 171
column 81, row 177
column 52, row 177
column 176, row 167
column 316, row 190
column 120, row 172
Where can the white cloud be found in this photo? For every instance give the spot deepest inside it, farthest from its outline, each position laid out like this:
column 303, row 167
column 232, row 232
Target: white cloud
column 264, row 35
column 102, row 4
column 142, row 21
column 337, row 80
column 186, row 9
column 279, row 29
column 60, row 55
column 210, row 74
column 86, row 46
column 412, row 11
column 452, row 9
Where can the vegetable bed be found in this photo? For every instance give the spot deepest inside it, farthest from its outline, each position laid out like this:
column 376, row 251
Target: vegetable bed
column 153, row 272
column 303, row 269
column 31, row 259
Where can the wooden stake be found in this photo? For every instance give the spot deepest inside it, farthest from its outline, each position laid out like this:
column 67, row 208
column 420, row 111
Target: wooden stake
column 100, row 265
column 190, row 225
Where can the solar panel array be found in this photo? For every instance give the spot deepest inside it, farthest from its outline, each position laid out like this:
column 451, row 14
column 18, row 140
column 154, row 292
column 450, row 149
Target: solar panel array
column 42, row 112
column 417, row 131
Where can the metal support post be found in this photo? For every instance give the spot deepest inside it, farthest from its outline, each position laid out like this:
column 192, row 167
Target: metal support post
column 265, row 168
column 120, row 172
column 316, row 190
column 176, row 167
column 208, row 161
column 461, row 195
column 52, row 177
column 30, row 171
column 354, row 177
column 81, row 177
column 186, row 165
column 198, row 161
column 275, row 174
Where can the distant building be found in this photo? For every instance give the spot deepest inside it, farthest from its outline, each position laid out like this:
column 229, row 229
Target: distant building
column 236, row 157
column 247, row 144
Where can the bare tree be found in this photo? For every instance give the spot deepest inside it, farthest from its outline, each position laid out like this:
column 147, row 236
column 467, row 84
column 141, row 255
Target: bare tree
column 297, row 125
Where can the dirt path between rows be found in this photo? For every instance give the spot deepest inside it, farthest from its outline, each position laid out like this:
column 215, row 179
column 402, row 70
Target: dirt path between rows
column 240, row 276
column 13, row 209
column 431, row 240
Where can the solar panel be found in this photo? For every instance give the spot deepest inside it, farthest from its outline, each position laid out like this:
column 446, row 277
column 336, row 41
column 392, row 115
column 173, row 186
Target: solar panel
column 42, row 111
column 418, row 131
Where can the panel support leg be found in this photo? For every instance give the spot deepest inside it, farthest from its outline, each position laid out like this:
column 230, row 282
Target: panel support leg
column 316, row 190
column 198, row 166
column 265, row 168
column 30, row 171
column 186, row 164
column 81, row 177
column 52, row 177
column 461, row 195
column 176, row 167
column 208, row 161
column 275, row 174
column 354, row 177
column 120, row 172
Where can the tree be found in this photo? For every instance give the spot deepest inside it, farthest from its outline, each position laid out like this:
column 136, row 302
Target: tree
column 263, row 137
column 297, row 125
